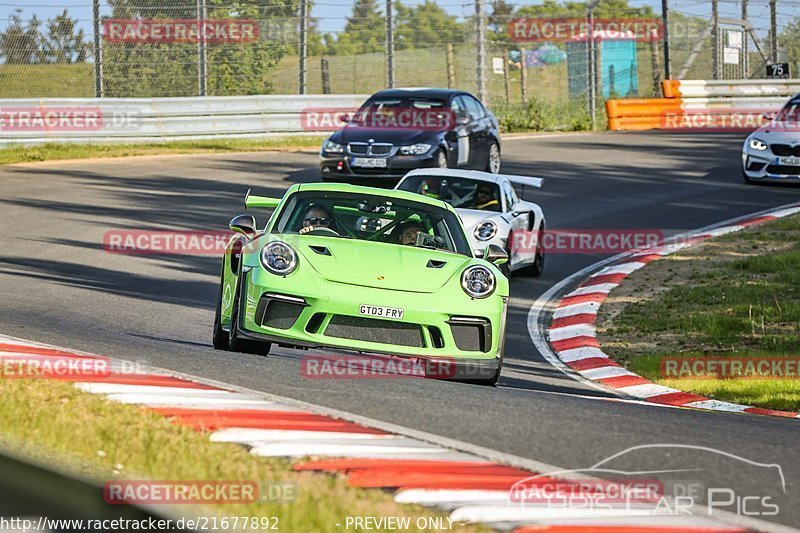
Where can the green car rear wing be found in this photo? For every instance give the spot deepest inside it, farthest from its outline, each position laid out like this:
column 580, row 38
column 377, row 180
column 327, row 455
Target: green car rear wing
column 260, row 201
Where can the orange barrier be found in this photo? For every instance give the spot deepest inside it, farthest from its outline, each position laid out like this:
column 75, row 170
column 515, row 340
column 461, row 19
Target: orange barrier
column 671, row 88
column 641, row 114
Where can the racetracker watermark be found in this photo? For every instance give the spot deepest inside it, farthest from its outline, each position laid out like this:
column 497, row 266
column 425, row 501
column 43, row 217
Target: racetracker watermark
column 331, row 118
column 166, row 242
column 28, row 366
column 585, row 493
column 180, row 492
column 386, row 367
column 585, row 241
column 725, row 120
column 148, row 31
column 731, row 367
column 73, row 118
column 578, row 29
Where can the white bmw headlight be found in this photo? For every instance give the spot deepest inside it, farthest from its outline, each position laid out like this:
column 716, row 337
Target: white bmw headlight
column 332, row 147
column 478, row 281
column 279, row 258
column 485, row 230
column 757, row 144
column 415, row 149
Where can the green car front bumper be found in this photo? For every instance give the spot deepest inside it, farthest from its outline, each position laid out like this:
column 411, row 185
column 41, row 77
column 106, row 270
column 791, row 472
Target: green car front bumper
column 316, row 313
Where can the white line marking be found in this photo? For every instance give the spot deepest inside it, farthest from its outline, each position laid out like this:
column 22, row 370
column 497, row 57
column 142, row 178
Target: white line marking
column 575, row 330
column 600, row 288
column 717, row 405
column 322, row 449
column 624, row 268
column 450, row 499
column 646, row 390
column 605, row 372
column 251, row 435
column 576, row 354
column 588, row 308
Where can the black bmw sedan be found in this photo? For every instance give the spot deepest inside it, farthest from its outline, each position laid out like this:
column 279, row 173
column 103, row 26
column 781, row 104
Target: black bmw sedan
column 398, row 130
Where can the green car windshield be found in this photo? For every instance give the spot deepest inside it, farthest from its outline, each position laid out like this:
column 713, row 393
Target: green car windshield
column 372, row 218
column 459, row 192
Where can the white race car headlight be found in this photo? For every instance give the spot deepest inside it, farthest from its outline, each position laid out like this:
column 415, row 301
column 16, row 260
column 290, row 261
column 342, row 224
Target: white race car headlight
column 478, row 281
column 415, row 149
column 485, row 230
column 279, row 258
column 331, row 147
column 757, row 144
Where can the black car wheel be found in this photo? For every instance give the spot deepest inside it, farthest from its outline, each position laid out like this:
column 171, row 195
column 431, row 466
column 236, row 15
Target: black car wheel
column 220, row 337
column 235, row 342
column 493, row 165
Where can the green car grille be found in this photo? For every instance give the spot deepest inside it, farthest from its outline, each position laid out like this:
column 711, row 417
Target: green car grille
column 375, row 330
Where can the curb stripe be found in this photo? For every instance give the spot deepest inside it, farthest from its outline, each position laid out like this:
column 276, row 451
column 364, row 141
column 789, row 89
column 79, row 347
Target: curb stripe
column 572, row 333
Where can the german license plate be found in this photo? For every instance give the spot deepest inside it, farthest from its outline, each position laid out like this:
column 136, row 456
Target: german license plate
column 369, row 162
column 381, row 312
column 790, row 161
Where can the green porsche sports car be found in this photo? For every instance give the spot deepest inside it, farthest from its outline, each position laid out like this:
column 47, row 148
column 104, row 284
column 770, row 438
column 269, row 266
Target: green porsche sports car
column 358, row 268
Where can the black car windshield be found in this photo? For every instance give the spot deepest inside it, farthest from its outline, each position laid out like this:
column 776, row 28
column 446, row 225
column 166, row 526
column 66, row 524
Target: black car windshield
column 407, row 112
column 790, row 112
column 463, row 193
column 372, row 218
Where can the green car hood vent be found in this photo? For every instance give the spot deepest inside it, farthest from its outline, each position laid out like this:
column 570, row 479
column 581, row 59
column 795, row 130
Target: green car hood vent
column 380, row 265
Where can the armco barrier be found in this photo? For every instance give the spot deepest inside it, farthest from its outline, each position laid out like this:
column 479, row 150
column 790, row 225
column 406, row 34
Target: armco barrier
column 729, row 88
column 36, row 121
column 724, row 101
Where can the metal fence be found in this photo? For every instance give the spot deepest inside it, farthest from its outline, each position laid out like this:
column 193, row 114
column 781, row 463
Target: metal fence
column 507, row 52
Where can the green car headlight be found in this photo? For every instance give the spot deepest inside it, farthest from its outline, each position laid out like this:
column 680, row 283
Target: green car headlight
column 485, row 230
column 279, row 258
column 478, row 281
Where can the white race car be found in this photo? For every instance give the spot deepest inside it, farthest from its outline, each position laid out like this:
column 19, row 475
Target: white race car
column 491, row 211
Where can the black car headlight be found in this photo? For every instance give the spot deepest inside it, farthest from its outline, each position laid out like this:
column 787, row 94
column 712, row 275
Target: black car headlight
column 485, row 230
column 279, row 258
column 478, row 281
column 331, row 147
column 757, row 144
column 415, row 149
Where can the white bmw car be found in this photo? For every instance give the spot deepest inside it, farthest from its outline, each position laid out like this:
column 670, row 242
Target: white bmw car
column 491, row 211
column 772, row 152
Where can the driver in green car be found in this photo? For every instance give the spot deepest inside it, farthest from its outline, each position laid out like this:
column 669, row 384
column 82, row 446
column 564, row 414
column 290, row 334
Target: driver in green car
column 316, row 216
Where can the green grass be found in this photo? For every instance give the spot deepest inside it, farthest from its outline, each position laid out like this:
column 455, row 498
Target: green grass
column 53, row 421
column 741, row 300
column 48, row 152
column 47, row 81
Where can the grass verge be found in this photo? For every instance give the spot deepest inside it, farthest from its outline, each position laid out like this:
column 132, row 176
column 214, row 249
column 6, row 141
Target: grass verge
column 733, row 297
column 59, row 151
column 55, row 422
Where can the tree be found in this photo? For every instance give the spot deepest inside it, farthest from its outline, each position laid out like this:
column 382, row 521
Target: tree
column 64, row 42
column 790, row 39
column 171, row 68
column 364, row 32
column 498, row 20
column 426, row 25
column 21, row 44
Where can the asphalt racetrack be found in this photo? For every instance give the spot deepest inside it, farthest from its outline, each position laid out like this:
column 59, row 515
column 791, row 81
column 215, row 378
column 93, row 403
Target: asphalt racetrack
column 60, row 286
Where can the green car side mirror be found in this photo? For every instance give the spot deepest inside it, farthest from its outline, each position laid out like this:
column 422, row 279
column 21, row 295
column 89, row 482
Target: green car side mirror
column 495, row 255
column 244, row 224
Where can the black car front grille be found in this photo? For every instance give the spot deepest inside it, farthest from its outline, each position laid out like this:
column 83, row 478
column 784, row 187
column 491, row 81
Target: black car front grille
column 381, row 149
column 785, row 150
column 358, row 149
column 471, row 334
column 784, row 169
column 274, row 312
column 375, row 330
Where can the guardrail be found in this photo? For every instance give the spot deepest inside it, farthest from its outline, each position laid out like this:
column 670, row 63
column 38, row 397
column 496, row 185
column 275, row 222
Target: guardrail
column 36, row 121
column 691, row 104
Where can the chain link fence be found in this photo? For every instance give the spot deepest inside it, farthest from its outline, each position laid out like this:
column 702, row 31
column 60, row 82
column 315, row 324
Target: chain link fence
column 538, row 65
